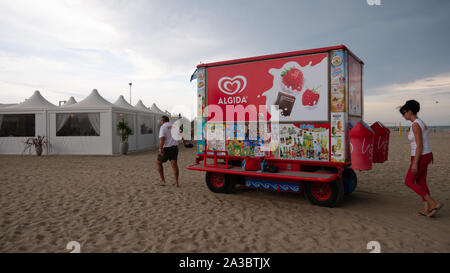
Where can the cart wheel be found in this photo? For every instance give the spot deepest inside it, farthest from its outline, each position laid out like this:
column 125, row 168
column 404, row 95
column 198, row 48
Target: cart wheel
column 350, row 180
column 326, row 194
column 219, row 182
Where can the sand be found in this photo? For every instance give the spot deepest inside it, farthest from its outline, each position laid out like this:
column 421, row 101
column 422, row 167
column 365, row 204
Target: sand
column 113, row 204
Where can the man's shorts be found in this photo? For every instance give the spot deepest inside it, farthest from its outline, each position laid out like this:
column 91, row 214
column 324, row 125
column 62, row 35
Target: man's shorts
column 170, row 153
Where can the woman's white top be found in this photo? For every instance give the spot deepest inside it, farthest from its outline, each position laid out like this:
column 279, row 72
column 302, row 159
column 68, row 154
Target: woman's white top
column 425, row 138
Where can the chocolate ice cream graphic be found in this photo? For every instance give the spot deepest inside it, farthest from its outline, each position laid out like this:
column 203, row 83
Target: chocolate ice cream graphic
column 285, row 103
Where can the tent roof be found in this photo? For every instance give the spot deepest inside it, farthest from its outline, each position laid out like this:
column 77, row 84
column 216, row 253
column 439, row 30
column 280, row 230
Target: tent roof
column 140, row 105
column 94, row 101
column 69, row 102
column 7, row 104
column 35, row 102
column 121, row 102
column 155, row 108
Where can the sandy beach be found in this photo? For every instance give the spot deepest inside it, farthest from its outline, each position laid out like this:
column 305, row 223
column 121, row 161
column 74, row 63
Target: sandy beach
column 114, row 204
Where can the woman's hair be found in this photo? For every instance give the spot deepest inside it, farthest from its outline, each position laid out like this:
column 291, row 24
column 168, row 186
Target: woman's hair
column 412, row 105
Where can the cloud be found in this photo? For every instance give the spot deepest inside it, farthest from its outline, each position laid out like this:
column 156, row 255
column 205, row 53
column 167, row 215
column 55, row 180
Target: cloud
column 70, row 47
column 424, row 87
column 428, row 84
column 433, row 93
column 64, row 47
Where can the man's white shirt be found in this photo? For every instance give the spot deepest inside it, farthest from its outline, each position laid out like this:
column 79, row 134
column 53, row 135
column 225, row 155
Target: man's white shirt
column 165, row 131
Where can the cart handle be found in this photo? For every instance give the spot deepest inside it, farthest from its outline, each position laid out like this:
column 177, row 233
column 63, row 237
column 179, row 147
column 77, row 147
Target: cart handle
column 215, row 152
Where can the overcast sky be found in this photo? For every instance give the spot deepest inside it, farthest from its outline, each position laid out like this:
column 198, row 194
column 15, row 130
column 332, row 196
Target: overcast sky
column 68, row 47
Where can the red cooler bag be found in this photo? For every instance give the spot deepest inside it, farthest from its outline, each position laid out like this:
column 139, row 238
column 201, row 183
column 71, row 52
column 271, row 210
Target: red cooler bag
column 252, row 163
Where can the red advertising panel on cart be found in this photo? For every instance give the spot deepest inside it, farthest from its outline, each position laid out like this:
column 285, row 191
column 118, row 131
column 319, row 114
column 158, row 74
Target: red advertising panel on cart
column 298, row 86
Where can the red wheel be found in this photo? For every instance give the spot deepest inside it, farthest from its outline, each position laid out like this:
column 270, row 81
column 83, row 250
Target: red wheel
column 217, row 180
column 321, row 191
column 326, row 194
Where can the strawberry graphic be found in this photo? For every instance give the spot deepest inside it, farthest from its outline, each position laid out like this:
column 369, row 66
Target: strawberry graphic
column 310, row 97
column 292, row 78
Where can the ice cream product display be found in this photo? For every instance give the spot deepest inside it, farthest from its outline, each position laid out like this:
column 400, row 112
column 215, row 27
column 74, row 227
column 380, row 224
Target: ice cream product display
column 201, row 145
column 215, row 135
column 304, row 142
column 239, row 141
column 200, row 75
column 200, row 134
column 246, row 147
column 355, row 86
column 201, row 104
column 201, row 101
column 235, row 148
column 288, row 141
column 338, row 81
column 240, row 131
column 337, row 137
column 230, row 131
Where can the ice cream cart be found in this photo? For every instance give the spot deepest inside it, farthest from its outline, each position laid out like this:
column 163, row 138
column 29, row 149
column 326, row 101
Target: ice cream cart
column 293, row 109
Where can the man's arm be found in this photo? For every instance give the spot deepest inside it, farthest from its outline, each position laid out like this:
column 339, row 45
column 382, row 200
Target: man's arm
column 161, row 144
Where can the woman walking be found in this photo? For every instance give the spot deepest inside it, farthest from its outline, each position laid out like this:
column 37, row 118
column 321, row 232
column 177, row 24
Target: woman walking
column 421, row 156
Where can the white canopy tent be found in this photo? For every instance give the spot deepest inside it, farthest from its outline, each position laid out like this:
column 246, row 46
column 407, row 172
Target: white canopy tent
column 173, row 118
column 97, row 119
column 20, row 121
column 148, row 123
column 6, row 104
column 130, row 116
column 156, row 109
column 84, row 127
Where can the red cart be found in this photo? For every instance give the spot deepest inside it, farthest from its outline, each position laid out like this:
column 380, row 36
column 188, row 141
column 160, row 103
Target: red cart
column 294, row 109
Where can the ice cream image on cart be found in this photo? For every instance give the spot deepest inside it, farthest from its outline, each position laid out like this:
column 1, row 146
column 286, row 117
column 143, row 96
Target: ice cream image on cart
column 295, row 90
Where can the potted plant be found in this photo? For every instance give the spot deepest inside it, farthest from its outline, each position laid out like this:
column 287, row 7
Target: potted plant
column 125, row 132
column 37, row 143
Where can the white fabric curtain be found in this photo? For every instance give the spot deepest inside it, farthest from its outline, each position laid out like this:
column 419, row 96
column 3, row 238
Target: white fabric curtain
column 94, row 119
column 130, row 121
column 150, row 124
column 61, row 119
column 146, row 122
column 1, row 120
